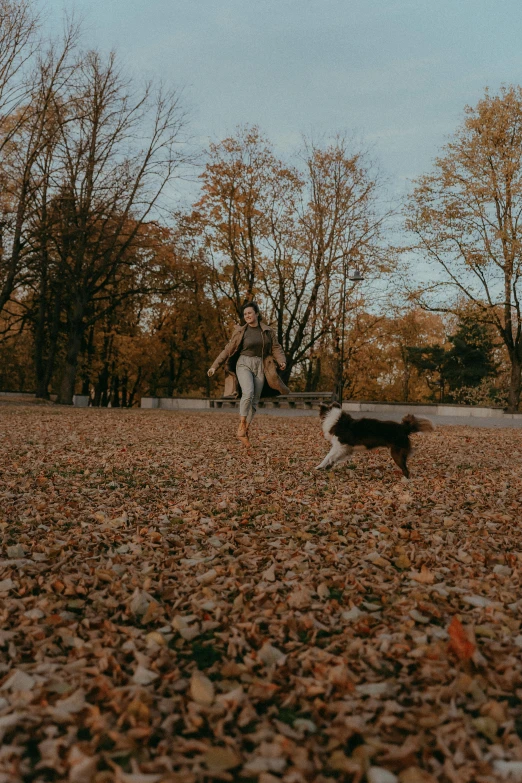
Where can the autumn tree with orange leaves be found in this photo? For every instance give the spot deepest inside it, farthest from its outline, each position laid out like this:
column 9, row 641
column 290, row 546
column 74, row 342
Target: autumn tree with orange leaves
column 466, row 220
column 282, row 234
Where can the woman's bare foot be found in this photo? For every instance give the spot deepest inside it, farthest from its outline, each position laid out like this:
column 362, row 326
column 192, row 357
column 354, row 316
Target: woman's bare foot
column 242, row 432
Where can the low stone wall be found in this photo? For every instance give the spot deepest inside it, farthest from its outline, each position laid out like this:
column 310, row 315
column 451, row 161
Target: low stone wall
column 202, row 403
column 175, row 403
column 17, row 394
column 26, row 397
column 427, row 410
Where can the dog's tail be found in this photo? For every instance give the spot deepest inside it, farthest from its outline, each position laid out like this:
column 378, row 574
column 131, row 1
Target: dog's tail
column 413, row 424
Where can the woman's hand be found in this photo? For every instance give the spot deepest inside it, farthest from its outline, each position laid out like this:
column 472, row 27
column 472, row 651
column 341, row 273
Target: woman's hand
column 282, row 366
column 211, row 372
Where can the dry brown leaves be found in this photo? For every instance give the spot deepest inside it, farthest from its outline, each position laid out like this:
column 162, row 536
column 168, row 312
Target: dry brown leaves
column 174, row 609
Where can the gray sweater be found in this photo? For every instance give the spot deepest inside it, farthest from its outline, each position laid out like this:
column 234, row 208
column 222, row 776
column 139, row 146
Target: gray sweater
column 252, row 342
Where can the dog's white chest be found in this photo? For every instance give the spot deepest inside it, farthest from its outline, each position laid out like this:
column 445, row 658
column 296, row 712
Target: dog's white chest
column 331, row 418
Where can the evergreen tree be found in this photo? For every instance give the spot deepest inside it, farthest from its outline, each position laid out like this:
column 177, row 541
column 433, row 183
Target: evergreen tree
column 465, row 365
column 429, row 361
column 470, row 359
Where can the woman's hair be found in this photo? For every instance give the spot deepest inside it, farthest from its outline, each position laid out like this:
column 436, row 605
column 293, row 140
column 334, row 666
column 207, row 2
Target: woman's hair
column 254, row 307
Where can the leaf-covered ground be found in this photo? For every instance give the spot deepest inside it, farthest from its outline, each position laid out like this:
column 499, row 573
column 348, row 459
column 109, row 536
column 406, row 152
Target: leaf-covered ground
column 175, row 609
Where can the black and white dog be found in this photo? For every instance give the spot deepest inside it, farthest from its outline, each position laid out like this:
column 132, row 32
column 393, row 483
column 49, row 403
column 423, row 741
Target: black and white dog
column 346, row 434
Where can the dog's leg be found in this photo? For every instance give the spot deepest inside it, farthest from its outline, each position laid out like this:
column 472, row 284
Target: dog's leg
column 346, row 454
column 400, row 457
column 327, row 461
column 338, row 453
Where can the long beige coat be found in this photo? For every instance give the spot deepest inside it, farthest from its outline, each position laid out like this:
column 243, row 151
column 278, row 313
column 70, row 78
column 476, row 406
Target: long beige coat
column 272, row 356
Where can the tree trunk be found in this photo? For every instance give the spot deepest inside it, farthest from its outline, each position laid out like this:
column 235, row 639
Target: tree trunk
column 54, row 334
column 115, row 392
column 45, row 364
column 12, row 265
column 42, row 380
column 135, row 388
column 514, row 385
column 124, row 392
column 74, row 346
column 103, row 386
column 101, row 392
column 42, row 390
column 171, row 376
column 406, row 383
column 406, row 374
column 86, row 374
column 46, row 329
column 441, row 388
column 313, row 375
column 308, row 375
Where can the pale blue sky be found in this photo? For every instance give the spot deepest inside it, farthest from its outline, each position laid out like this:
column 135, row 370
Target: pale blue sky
column 397, row 73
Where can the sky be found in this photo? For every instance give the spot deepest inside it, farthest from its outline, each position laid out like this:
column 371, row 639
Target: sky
column 395, row 74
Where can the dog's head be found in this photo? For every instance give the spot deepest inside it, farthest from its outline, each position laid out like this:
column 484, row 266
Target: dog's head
column 325, row 409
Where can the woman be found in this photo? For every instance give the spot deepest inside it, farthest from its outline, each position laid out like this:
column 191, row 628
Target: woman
column 252, row 357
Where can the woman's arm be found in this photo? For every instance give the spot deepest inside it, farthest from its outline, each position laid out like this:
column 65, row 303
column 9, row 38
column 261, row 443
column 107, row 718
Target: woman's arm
column 224, row 355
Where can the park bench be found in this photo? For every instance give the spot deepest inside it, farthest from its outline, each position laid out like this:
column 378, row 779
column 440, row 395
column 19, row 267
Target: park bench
column 301, row 399
column 292, row 400
column 225, row 402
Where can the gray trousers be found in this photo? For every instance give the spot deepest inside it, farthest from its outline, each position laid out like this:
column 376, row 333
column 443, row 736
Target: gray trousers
column 249, row 371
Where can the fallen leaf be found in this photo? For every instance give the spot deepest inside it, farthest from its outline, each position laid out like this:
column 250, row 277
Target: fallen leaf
column 323, row 591
column 143, row 676
column 508, row 770
column 19, row 681
column 402, row 562
column 459, row 642
column 380, row 775
column 299, row 598
column 269, row 574
column 425, row 577
column 82, row 767
column 201, row 689
column 208, row 577
column 220, row 759
column 16, row 551
column 270, row 655
column 72, row 704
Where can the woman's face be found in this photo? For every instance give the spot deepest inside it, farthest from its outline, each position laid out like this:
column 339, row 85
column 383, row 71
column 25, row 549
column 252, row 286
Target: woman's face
column 250, row 316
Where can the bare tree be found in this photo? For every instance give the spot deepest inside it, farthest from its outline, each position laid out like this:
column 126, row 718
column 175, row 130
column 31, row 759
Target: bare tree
column 238, row 183
column 18, row 28
column 21, row 159
column 338, row 224
column 283, row 234
column 118, row 150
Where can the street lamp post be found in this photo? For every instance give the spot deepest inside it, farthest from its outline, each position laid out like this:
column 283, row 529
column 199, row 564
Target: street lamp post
column 356, row 277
